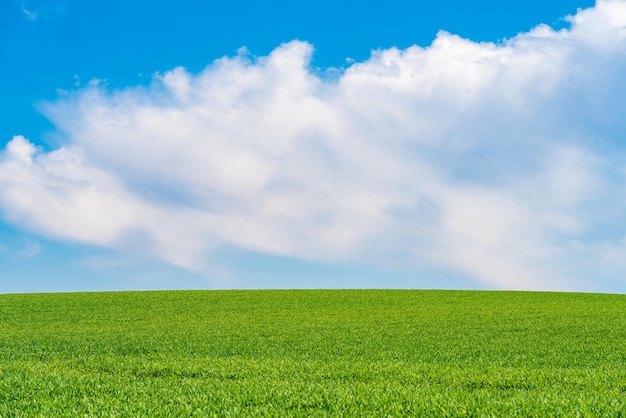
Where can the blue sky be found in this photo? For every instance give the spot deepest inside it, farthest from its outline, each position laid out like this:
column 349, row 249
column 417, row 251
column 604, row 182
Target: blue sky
column 166, row 145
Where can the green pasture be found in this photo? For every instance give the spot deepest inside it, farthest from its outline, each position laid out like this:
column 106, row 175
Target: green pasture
column 313, row 353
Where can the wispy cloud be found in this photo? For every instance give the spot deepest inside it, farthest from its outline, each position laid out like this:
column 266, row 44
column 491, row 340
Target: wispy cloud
column 29, row 250
column 31, row 15
column 35, row 9
column 503, row 162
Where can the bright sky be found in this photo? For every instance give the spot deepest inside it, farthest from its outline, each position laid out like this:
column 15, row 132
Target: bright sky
column 238, row 144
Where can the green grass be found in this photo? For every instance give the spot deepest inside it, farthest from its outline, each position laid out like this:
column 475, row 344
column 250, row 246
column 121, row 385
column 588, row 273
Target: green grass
column 313, row 353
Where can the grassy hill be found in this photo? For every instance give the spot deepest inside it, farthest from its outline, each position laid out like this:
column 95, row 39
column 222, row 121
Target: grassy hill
column 313, row 353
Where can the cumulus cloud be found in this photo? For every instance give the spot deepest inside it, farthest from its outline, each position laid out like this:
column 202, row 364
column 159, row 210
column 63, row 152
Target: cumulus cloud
column 502, row 162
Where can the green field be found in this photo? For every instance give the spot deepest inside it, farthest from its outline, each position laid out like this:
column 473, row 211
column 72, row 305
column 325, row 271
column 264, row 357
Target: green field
column 313, row 353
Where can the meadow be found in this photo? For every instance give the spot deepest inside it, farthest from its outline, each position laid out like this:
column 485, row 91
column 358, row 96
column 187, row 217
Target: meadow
column 313, row 353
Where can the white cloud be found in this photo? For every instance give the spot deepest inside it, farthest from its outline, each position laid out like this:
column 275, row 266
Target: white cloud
column 488, row 159
column 36, row 9
column 31, row 15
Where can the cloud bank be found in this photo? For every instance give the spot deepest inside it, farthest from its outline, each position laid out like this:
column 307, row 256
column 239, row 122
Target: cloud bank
column 503, row 162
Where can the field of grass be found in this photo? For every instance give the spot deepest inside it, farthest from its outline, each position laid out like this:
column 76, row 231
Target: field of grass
column 313, row 353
